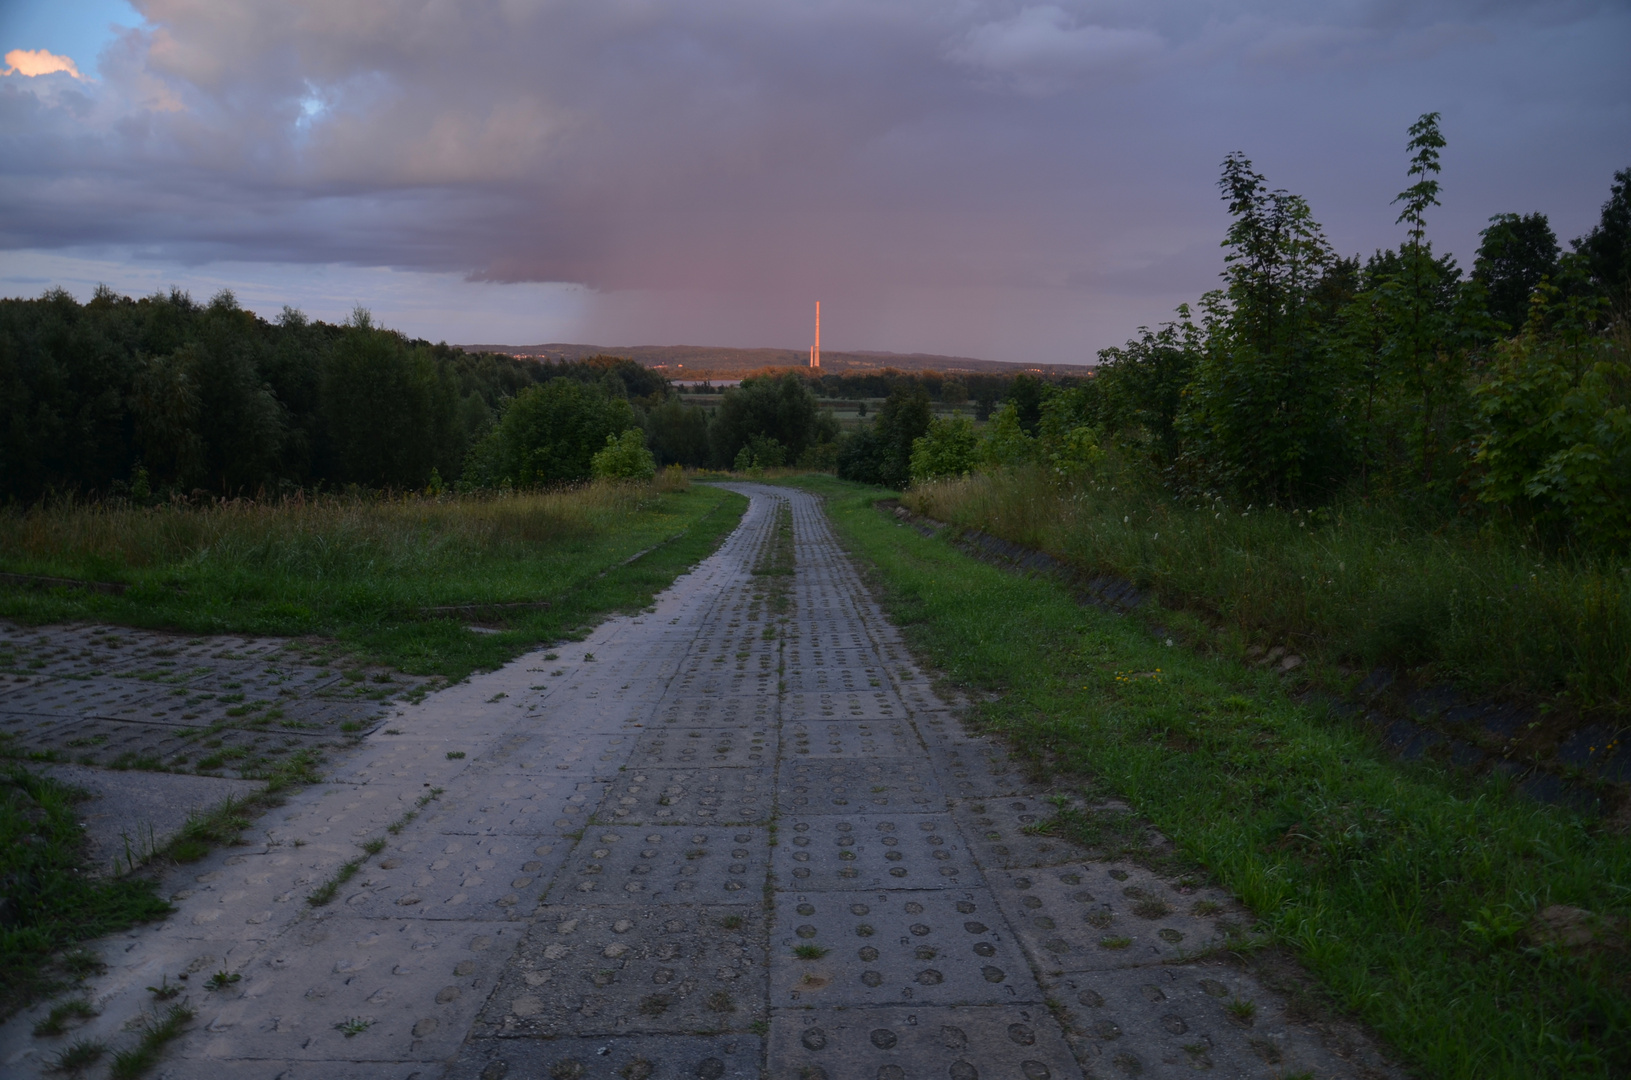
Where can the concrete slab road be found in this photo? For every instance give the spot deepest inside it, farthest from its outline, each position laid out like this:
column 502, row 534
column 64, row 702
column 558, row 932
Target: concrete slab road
column 736, row 835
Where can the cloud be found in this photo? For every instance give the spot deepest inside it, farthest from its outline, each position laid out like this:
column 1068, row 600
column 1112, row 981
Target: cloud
column 1043, row 49
column 996, row 177
column 34, row 62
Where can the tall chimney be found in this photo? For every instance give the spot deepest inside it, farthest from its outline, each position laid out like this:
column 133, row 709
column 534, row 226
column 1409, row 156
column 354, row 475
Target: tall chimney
column 815, row 350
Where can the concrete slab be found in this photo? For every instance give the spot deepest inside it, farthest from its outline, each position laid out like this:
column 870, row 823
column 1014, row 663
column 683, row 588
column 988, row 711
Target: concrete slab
column 614, row 872
column 132, row 813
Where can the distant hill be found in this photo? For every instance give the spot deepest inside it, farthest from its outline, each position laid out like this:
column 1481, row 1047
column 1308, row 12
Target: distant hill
column 703, row 361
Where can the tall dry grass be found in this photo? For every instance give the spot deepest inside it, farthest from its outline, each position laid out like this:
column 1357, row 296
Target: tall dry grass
column 1356, row 581
column 323, row 536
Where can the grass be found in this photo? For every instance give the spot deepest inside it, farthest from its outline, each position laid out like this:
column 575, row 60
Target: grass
column 1410, row 891
column 325, row 892
column 365, row 572
column 78, row 1056
column 1364, row 583
column 47, row 903
column 56, row 1021
column 156, row 1032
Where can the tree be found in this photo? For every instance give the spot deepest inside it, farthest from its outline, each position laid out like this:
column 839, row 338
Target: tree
column 1607, row 248
column 1517, row 253
column 858, row 457
column 1142, row 383
column 1259, row 411
column 1430, row 322
column 390, row 414
column 902, row 419
column 782, row 408
column 678, row 433
column 1026, row 395
column 239, row 422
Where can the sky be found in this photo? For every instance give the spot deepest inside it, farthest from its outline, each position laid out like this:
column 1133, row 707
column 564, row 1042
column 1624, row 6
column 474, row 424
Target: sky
column 1015, row 181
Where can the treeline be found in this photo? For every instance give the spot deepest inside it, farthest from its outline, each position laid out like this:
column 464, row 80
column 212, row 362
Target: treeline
column 163, row 396
column 1309, row 376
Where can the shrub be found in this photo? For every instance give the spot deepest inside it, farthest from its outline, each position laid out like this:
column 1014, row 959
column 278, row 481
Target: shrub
column 1005, row 443
column 947, row 449
column 760, row 452
column 549, row 434
column 625, row 457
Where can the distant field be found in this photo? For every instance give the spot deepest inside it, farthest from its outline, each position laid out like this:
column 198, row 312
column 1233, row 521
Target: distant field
column 699, row 361
column 851, row 413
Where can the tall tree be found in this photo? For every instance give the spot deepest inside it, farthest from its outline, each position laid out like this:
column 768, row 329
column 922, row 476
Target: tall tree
column 781, row 408
column 1259, row 412
column 1607, row 248
column 1422, row 345
column 1516, row 254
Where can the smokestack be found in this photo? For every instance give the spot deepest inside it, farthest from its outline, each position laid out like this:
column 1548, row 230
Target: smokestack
column 815, row 350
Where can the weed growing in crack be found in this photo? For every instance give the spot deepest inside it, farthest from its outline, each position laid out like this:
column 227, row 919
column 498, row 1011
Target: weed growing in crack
column 56, row 1021
column 809, row 950
column 354, row 1025
column 78, row 1056
column 156, row 1031
column 164, row 991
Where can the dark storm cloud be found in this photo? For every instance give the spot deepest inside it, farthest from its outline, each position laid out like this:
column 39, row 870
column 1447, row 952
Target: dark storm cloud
column 1007, row 179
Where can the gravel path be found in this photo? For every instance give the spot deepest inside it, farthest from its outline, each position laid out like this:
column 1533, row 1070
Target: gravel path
column 607, row 863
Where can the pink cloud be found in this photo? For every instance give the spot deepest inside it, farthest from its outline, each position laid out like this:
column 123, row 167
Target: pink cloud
column 32, row 62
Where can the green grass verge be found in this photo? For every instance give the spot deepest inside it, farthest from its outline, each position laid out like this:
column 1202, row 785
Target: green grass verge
column 362, row 573
column 47, row 903
column 1409, row 891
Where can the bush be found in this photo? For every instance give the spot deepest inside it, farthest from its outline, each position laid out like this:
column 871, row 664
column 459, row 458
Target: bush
column 1005, row 443
column 549, row 434
column 624, row 458
column 858, row 457
column 761, row 452
column 947, row 449
column 1557, row 429
column 822, row 457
